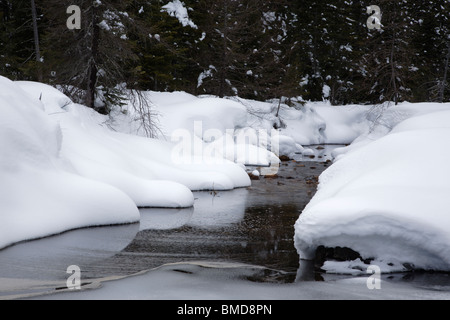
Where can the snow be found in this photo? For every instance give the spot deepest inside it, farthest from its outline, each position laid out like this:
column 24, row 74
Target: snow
column 209, row 129
column 326, row 91
column 385, row 197
column 177, row 9
column 238, row 129
column 64, row 166
column 38, row 195
column 343, row 123
column 242, row 130
column 255, row 173
column 104, row 25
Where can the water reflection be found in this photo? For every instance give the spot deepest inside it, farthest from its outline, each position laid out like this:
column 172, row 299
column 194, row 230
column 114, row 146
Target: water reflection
column 164, row 219
column 219, row 209
column 48, row 258
column 211, row 209
column 251, row 225
column 257, row 235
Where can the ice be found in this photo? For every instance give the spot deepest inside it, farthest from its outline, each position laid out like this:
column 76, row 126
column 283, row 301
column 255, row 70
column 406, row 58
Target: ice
column 205, row 282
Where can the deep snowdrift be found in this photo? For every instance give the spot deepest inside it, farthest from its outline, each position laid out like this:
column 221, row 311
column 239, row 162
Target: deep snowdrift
column 388, row 198
column 143, row 168
column 37, row 196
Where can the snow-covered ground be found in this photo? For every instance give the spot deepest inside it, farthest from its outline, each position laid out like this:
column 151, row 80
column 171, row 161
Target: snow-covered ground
column 40, row 193
column 63, row 166
column 386, row 195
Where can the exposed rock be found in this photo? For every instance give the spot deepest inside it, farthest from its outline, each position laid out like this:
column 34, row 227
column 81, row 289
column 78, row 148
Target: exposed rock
column 337, row 253
column 284, row 158
column 253, row 176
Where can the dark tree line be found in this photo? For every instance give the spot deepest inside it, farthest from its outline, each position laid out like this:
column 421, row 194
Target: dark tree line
column 252, row 48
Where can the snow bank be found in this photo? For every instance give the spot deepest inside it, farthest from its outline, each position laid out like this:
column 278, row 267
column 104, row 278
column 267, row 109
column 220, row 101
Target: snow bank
column 38, row 196
column 206, row 130
column 243, row 131
column 343, row 123
column 145, row 169
column 388, row 199
column 62, row 168
column 302, row 124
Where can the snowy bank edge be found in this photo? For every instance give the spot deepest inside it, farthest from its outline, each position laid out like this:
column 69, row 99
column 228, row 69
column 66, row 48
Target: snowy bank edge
column 411, row 242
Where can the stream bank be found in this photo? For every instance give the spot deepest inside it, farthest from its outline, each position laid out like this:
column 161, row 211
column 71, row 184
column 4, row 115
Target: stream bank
column 251, row 225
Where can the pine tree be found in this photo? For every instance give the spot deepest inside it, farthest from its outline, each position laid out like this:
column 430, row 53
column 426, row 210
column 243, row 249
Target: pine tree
column 311, row 28
column 432, row 45
column 92, row 62
column 388, row 60
column 219, row 60
column 245, row 48
column 166, row 55
column 252, row 48
column 19, row 58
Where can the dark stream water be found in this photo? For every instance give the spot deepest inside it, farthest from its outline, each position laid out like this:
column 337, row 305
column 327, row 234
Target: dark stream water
column 253, row 225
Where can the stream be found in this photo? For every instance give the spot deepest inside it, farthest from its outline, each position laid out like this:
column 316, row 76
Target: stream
column 253, row 226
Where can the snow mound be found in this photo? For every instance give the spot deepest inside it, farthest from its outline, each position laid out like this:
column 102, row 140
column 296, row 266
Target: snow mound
column 145, row 169
column 243, row 131
column 343, row 123
column 37, row 196
column 387, row 199
column 207, row 130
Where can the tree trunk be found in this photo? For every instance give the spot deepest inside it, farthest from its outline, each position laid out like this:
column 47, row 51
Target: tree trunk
column 93, row 70
column 444, row 80
column 394, row 71
column 5, row 8
column 36, row 41
column 224, row 62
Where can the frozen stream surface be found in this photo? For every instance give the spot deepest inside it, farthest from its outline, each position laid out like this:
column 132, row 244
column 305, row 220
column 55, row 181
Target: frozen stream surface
column 232, row 245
